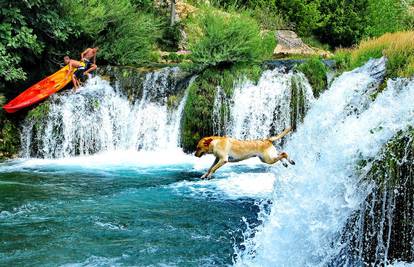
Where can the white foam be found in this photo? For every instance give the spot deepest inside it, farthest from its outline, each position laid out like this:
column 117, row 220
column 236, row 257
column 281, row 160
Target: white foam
column 106, row 160
column 99, row 118
column 315, row 198
column 231, row 186
column 258, row 109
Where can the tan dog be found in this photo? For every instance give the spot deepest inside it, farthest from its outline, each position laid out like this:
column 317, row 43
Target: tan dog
column 227, row 149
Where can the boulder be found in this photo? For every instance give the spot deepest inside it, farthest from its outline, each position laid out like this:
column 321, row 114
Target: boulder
column 289, row 43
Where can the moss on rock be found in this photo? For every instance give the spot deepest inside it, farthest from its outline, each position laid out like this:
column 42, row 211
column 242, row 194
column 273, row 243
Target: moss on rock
column 37, row 114
column 297, row 103
column 9, row 135
column 382, row 230
column 129, row 79
column 315, row 71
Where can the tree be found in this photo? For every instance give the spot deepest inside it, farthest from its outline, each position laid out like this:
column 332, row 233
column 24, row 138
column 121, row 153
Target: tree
column 342, row 22
column 25, row 29
column 173, row 13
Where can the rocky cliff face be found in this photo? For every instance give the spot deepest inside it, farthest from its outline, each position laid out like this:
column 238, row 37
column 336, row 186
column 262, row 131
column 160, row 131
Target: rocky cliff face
column 131, row 81
column 384, row 226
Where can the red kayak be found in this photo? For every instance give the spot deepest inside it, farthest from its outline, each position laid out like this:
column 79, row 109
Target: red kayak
column 40, row 90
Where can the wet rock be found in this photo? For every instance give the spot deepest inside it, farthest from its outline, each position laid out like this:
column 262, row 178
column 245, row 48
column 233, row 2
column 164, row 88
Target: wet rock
column 131, row 81
column 382, row 231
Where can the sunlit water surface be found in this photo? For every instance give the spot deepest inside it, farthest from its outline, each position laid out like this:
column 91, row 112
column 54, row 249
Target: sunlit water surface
column 126, row 208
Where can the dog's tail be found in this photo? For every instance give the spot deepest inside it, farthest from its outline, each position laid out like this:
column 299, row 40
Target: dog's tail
column 285, row 132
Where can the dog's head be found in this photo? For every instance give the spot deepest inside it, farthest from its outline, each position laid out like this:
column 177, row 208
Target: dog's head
column 203, row 146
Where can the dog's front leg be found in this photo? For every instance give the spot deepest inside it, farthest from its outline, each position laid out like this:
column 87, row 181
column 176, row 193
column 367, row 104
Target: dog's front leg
column 219, row 164
column 209, row 170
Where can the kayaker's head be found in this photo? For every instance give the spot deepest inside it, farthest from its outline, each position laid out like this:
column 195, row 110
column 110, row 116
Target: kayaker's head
column 66, row 59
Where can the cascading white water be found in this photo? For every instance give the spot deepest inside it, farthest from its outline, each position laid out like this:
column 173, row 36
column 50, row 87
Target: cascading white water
column 265, row 109
column 220, row 116
column 313, row 199
column 99, row 118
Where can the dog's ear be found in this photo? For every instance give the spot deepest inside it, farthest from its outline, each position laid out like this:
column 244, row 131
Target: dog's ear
column 207, row 142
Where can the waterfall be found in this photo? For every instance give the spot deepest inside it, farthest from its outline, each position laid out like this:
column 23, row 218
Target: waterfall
column 277, row 101
column 313, row 199
column 220, row 112
column 100, row 118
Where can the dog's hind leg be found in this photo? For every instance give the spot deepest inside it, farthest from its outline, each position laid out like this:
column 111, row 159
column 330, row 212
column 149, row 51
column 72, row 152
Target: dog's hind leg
column 266, row 158
column 288, row 158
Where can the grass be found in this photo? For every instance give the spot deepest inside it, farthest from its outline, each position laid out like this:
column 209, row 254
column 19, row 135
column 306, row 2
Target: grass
column 397, row 47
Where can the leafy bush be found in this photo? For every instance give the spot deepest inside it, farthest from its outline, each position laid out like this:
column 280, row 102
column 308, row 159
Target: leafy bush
column 124, row 35
column 218, row 38
column 315, row 70
column 342, row 22
column 305, row 15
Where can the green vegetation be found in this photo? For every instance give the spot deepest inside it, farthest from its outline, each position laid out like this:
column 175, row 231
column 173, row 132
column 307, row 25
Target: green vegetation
column 392, row 197
column 9, row 138
column 38, row 114
column 297, row 103
column 395, row 161
column 315, row 70
column 397, row 47
column 9, row 135
column 387, row 16
column 339, row 23
column 224, row 38
column 342, row 59
column 124, row 35
column 31, row 30
column 268, row 18
column 198, row 111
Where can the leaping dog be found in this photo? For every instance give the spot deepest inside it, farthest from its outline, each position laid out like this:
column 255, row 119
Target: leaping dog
column 228, row 149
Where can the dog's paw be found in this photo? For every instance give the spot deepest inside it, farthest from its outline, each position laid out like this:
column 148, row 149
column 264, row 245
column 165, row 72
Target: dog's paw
column 204, row 176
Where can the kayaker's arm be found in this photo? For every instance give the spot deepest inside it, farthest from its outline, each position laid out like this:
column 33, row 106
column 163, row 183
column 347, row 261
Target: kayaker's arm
column 83, row 53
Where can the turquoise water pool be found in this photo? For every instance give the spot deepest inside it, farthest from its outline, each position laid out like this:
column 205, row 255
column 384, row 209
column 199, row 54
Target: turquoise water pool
column 97, row 212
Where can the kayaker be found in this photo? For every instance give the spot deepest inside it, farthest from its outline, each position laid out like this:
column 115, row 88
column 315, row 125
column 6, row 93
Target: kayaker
column 77, row 74
column 89, row 57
